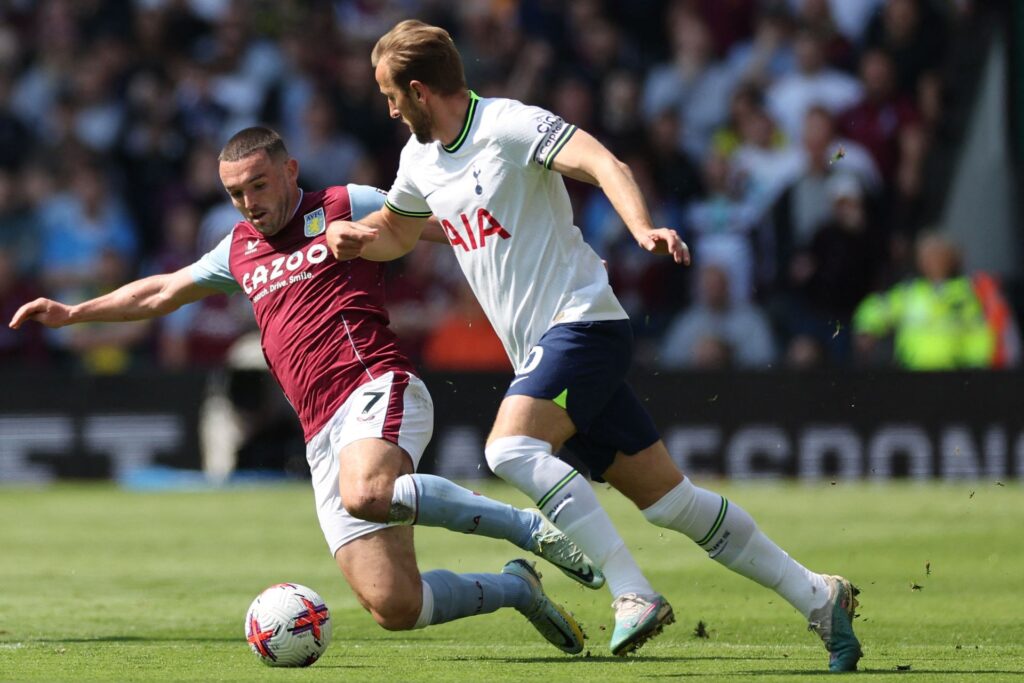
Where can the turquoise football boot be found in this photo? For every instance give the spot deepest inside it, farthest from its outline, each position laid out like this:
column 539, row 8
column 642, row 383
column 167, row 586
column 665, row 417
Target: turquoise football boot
column 638, row 618
column 834, row 623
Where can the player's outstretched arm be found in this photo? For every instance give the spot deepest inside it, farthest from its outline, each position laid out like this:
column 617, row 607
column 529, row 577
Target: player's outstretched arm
column 380, row 236
column 149, row 297
column 586, row 159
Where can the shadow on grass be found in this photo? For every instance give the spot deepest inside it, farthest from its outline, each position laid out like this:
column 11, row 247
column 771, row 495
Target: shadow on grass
column 655, row 660
column 174, row 639
column 659, row 661
column 861, row 673
column 128, row 639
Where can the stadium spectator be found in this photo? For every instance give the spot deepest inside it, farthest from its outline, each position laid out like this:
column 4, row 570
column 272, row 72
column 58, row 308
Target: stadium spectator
column 768, row 54
column 96, row 109
column 327, row 151
column 762, row 157
column 717, row 331
column 936, row 320
column 238, row 67
column 727, row 226
column 814, row 83
column 676, row 178
column 620, row 118
column 693, row 83
column 828, row 277
column 805, row 204
column 886, row 123
column 153, row 148
column 914, row 33
column 83, row 227
column 816, row 16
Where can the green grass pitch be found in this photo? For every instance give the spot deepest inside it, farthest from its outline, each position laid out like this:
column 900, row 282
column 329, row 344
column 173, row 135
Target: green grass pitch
column 97, row 584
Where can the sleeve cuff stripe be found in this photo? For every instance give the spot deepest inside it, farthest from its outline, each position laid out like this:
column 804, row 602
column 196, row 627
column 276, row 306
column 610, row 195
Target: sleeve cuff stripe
column 559, row 145
column 403, row 212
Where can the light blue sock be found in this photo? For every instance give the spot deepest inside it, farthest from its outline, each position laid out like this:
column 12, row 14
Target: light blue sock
column 454, row 596
column 434, row 501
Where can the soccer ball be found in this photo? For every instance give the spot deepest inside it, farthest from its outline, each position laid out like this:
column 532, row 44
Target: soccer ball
column 288, row 625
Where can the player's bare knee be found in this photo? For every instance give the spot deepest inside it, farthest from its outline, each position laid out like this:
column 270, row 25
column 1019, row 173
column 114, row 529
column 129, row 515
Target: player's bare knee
column 369, row 503
column 368, row 499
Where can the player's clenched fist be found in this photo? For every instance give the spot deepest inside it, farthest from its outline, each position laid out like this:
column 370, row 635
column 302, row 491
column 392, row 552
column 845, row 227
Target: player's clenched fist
column 48, row 312
column 346, row 239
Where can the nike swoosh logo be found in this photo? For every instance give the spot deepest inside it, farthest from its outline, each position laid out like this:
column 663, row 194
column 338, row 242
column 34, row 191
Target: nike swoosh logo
column 587, row 576
column 644, row 615
column 518, row 379
column 429, row 193
column 567, row 642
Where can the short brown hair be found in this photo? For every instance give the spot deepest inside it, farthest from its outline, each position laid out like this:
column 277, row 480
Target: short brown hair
column 252, row 140
column 420, row 52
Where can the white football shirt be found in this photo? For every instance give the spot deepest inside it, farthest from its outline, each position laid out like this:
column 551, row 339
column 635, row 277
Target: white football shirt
column 509, row 220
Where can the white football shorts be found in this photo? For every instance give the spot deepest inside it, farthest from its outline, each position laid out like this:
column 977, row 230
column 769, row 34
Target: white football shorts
column 395, row 407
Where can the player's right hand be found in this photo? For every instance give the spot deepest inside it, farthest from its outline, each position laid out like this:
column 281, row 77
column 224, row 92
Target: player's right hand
column 346, row 239
column 46, row 311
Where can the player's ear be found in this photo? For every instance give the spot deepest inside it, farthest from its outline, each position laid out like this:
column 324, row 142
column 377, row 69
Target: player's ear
column 292, row 169
column 416, row 89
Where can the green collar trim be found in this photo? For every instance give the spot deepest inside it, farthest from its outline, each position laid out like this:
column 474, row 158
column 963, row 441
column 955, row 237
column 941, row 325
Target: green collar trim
column 466, row 125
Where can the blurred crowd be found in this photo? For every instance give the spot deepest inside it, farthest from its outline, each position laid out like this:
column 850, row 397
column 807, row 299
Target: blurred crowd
column 787, row 141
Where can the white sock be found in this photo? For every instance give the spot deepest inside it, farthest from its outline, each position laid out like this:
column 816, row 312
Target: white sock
column 567, row 499
column 731, row 537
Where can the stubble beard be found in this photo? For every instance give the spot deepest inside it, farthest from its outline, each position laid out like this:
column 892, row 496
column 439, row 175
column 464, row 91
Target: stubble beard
column 419, row 124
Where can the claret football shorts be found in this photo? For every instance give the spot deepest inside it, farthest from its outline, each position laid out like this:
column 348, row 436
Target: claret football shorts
column 395, row 407
column 582, row 367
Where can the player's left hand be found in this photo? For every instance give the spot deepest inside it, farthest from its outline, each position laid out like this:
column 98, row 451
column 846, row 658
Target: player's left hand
column 346, row 239
column 666, row 241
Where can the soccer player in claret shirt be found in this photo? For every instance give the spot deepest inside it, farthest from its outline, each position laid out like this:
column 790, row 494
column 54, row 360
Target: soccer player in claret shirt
column 365, row 416
column 490, row 170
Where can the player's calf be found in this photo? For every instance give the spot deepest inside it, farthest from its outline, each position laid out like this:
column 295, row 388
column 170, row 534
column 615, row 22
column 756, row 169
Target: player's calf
column 381, row 569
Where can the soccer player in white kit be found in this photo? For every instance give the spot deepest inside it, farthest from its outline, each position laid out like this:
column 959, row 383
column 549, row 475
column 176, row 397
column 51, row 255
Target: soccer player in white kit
column 490, row 170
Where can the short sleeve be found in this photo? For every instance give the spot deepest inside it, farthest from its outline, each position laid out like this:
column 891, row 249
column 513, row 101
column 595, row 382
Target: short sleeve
column 531, row 135
column 405, row 198
column 364, row 199
column 213, row 270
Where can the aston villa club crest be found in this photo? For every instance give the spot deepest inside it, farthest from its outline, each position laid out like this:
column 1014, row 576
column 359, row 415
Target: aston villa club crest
column 314, row 222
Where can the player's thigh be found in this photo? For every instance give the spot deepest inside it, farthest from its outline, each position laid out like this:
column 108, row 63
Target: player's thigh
column 381, row 569
column 645, row 476
column 379, row 434
column 539, row 418
column 568, row 378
